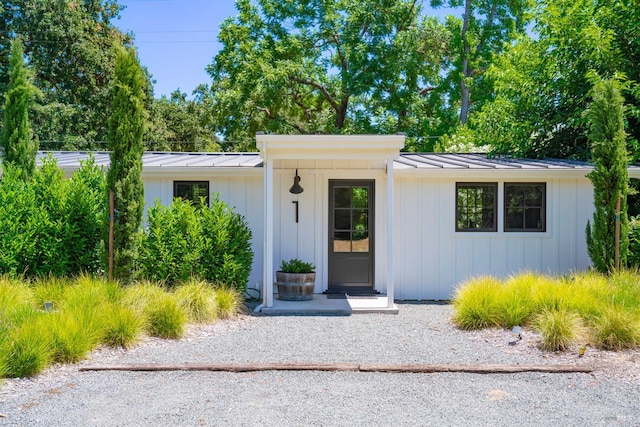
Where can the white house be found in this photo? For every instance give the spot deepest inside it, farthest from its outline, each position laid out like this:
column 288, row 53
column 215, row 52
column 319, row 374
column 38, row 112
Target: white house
column 374, row 220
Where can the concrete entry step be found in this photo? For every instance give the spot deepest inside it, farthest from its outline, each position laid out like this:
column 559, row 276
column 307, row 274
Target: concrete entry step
column 320, row 305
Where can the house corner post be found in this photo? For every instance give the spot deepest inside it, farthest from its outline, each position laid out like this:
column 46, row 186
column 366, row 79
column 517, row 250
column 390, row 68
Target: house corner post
column 267, row 285
column 389, row 246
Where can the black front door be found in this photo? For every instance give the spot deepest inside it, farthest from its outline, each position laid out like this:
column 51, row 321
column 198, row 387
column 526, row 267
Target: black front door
column 351, row 237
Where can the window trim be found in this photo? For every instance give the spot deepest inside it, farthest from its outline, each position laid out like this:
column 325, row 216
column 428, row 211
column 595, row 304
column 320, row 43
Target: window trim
column 543, row 208
column 494, row 227
column 205, row 183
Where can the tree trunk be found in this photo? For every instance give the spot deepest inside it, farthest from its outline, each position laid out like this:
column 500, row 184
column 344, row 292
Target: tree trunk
column 464, row 89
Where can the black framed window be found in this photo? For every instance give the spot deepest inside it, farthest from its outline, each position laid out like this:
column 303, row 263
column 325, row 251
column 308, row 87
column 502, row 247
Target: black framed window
column 476, row 206
column 193, row 191
column 525, row 207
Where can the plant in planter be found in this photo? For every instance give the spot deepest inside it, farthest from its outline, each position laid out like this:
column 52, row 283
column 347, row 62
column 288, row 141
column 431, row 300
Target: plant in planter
column 295, row 280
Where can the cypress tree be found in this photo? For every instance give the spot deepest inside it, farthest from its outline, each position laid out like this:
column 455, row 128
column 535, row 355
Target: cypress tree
column 19, row 145
column 126, row 127
column 609, row 176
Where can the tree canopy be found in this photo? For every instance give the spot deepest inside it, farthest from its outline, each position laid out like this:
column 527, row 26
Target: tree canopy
column 541, row 83
column 312, row 66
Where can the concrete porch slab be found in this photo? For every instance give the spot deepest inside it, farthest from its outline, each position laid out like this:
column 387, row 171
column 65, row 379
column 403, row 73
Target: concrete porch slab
column 323, row 306
column 377, row 304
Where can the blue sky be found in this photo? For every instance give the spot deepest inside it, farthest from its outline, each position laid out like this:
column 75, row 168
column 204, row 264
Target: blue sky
column 177, row 39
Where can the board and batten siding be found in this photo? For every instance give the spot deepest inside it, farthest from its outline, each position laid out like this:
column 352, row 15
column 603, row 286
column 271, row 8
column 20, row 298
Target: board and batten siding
column 432, row 259
column 308, row 239
column 242, row 192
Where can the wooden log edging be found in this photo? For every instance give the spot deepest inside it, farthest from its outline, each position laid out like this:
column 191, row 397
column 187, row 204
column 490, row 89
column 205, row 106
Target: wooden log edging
column 345, row 367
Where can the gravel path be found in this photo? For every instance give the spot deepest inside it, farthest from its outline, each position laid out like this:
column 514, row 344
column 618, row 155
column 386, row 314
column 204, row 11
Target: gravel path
column 419, row 334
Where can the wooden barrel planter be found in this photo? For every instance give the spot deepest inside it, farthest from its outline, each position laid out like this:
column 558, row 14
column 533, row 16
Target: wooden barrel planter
column 295, row 286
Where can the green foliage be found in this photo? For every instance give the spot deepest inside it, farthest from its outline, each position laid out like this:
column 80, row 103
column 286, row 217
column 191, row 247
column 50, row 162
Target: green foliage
column 179, row 124
column 327, row 67
column 228, row 301
column 198, row 298
column 558, row 328
column 50, row 225
column 616, row 329
column 71, row 46
column 562, row 310
column 165, row 317
column 476, row 304
column 16, row 139
column 173, row 242
column 27, row 349
column 126, row 127
column 484, row 30
column 541, row 82
column 71, row 337
column 122, row 326
column 184, row 241
column 609, row 176
column 90, row 312
column 295, row 265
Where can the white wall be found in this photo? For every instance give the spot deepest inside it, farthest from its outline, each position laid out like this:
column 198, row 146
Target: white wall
column 308, row 239
column 431, row 258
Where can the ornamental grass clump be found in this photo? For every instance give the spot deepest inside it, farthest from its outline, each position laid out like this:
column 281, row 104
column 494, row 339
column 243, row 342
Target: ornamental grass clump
column 475, row 303
column 513, row 300
column 27, row 350
column 166, row 318
column 71, row 338
column 615, row 329
column 141, row 294
column 558, row 328
column 122, row 327
column 228, row 301
column 49, row 289
column 198, row 298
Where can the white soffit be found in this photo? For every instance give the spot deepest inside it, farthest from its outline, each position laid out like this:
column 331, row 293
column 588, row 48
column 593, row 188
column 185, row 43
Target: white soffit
column 345, row 147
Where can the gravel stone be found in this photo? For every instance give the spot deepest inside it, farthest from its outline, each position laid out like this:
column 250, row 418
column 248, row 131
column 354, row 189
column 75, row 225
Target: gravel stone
column 420, row 333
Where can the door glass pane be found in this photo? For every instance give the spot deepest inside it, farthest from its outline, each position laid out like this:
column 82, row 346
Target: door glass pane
column 342, row 197
column 360, row 241
column 342, row 241
column 342, row 219
column 360, row 220
column 360, row 197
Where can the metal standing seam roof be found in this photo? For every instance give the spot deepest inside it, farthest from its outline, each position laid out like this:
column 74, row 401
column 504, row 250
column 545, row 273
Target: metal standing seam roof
column 406, row 161
column 450, row 161
column 153, row 159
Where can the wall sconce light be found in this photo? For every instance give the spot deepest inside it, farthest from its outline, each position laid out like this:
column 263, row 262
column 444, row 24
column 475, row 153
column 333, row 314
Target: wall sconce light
column 295, row 188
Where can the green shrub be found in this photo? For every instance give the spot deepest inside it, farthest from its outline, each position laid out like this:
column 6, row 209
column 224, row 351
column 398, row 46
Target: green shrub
column 165, row 318
column 616, row 329
column 122, row 327
column 228, row 301
column 198, row 299
column 475, row 303
column 173, row 243
column 558, row 327
column 296, row 266
column 27, row 350
column 50, row 225
column 184, row 241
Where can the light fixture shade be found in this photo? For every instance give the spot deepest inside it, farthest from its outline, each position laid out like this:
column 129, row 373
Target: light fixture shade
column 295, row 188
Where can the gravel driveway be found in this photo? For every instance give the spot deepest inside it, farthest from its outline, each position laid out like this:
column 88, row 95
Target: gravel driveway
column 419, row 334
